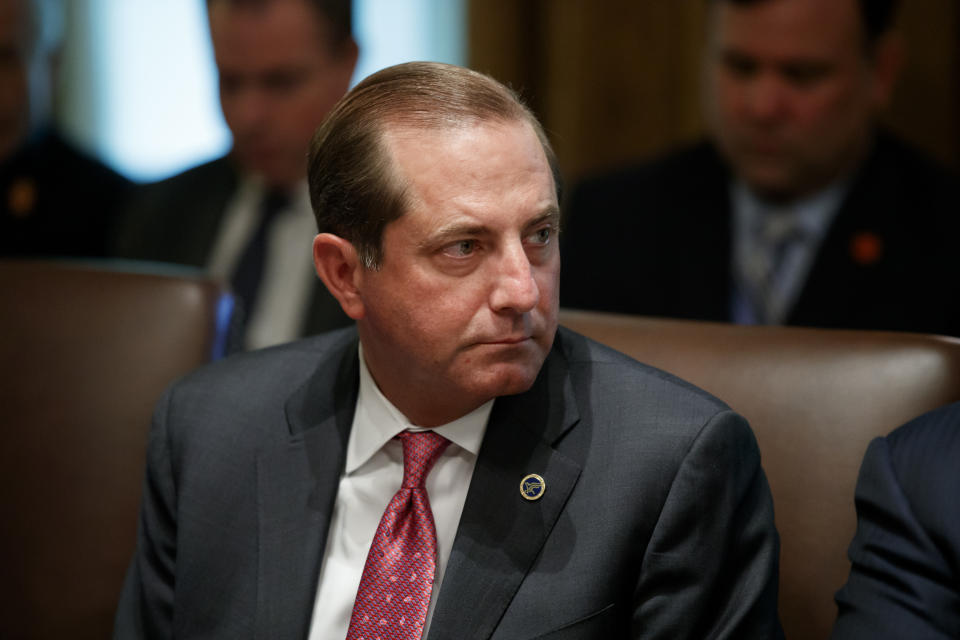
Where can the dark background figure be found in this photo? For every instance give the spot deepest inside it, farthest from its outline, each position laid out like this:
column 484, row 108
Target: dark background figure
column 55, row 200
column 246, row 217
column 799, row 209
column 905, row 575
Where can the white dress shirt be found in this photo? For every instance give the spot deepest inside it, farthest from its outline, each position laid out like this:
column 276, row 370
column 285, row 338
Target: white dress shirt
column 288, row 281
column 372, row 475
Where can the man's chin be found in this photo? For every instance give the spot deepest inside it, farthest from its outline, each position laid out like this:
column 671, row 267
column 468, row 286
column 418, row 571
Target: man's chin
column 508, row 379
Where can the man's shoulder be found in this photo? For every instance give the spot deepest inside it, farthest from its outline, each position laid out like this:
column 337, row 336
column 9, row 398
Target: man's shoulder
column 68, row 176
column 906, row 174
column 176, row 219
column 185, row 192
column 928, row 442
column 601, row 372
column 254, row 380
column 219, row 173
column 921, row 455
column 908, row 157
column 670, row 173
column 59, row 157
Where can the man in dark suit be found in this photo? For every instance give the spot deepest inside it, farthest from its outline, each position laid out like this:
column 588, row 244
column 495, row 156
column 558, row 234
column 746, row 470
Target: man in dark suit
column 905, row 574
column 573, row 492
column 798, row 210
column 282, row 65
column 55, row 200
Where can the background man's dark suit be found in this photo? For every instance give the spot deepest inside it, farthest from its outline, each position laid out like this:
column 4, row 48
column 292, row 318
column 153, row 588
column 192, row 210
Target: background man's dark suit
column 905, row 575
column 889, row 260
column 656, row 520
column 56, row 200
column 177, row 220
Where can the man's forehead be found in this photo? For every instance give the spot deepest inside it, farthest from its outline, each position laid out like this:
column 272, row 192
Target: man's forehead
column 418, row 123
column 253, row 21
column 397, row 133
column 417, row 155
column 787, row 28
column 410, row 146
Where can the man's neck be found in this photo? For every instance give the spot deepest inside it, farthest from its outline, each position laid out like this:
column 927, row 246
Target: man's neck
column 431, row 409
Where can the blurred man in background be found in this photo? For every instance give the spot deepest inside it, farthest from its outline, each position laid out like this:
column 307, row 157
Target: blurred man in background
column 799, row 209
column 54, row 199
column 283, row 64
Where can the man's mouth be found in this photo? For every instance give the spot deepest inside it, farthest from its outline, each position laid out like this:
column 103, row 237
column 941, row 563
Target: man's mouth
column 507, row 340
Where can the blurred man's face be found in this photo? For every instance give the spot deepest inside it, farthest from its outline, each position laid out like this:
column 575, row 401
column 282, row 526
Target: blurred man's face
column 15, row 62
column 464, row 305
column 279, row 76
column 792, row 93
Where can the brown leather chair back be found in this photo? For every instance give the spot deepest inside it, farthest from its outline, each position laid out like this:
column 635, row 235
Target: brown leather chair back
column 815, row 398
column 85, row 353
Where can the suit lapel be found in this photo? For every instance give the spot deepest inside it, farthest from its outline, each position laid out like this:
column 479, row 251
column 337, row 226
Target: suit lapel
column 297, row 485
column 500, row 533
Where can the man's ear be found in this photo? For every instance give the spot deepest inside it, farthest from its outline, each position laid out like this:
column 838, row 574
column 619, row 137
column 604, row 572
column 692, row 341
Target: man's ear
column 338, row 265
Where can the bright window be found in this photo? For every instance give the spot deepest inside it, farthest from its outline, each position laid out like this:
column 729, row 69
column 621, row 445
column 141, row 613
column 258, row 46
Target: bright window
column 141, row 87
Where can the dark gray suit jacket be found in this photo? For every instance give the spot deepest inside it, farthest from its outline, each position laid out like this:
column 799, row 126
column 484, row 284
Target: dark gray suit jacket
column 656, row 522
column 905, row 574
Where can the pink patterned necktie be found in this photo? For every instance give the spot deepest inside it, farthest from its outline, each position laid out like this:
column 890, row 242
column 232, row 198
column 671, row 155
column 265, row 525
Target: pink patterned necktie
column 397, row 579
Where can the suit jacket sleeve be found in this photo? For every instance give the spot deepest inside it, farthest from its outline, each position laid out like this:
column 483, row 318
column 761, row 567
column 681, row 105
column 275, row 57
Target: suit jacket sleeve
column 710, row 570
column 146, row 602
column 900, row 583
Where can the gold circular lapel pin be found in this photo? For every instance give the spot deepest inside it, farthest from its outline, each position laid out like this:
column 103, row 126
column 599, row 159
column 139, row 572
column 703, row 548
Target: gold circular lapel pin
column 532, row 487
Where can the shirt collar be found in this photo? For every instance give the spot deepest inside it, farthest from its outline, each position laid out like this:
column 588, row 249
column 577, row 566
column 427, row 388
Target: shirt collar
column 813, row 213
column 376, row 421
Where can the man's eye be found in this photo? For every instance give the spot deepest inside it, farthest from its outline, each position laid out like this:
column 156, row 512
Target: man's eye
column 541, row 236
column 739, row 65
column 229, row 84
column 460, row 249
column 283, row 81
column 805, row 75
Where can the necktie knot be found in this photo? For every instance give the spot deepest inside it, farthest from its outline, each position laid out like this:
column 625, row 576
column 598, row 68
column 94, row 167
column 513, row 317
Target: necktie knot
column 421, row 449
column 778, row 228
column 776, row 233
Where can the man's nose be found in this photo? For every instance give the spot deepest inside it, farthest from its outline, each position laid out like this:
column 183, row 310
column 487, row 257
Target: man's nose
column 245, row 109
column 766, row 98
column 515, row 288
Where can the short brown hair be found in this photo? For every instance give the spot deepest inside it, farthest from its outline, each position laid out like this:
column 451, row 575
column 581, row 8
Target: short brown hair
column 337, row 16
column 876, row 16
column 354, row 189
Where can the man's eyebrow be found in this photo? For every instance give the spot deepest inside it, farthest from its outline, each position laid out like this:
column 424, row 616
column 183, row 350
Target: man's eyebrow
column 550, row 214
column 450, row 232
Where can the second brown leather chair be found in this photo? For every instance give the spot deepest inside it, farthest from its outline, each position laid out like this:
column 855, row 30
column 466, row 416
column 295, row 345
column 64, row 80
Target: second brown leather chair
column 815, row 398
